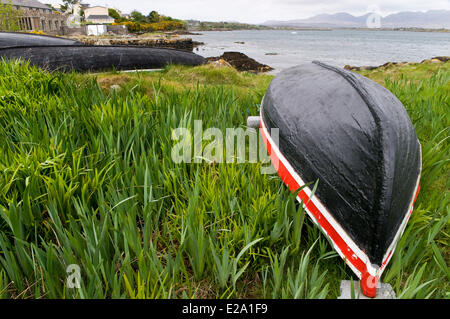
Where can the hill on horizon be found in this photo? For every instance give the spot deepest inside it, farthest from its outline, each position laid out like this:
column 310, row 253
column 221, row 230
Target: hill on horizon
column 433, row 19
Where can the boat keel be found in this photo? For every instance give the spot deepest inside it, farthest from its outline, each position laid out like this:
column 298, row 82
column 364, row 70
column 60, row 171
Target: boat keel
column 369, row 284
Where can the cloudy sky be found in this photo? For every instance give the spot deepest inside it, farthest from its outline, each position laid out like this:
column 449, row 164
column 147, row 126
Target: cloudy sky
column 258, row 11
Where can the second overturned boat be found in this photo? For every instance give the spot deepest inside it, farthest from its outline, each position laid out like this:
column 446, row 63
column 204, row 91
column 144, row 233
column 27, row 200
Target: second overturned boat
column 356, row 138
column 100, row 58
column 15, row 39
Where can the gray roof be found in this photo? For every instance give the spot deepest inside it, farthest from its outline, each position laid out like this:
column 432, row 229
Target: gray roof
column 27, row 3
column 98, row 17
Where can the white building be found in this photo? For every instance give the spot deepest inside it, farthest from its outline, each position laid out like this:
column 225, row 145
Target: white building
column 97, row 15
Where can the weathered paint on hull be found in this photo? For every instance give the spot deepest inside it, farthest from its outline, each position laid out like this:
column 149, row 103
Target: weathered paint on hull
column 100, row 58
column 356, row 138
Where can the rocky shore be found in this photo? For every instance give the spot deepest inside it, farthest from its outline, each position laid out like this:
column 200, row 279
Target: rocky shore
column 242, row 62
column 439, row 59
column 181, row 32
column 186, row 44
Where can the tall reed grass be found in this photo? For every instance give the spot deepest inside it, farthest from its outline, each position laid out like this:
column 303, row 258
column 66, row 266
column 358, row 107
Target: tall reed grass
column 86, row 178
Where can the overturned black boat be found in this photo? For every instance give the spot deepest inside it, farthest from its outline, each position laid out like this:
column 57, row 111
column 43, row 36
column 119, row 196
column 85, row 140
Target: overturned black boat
column 16, row 39
column 356, row 139
column 100, row 58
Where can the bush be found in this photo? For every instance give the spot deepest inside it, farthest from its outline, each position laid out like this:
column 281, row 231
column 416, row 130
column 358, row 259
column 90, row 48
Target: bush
column 37, row 32
column 137, row 27
column 168, row 25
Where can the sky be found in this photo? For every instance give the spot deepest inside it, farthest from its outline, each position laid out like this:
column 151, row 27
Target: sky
column 258, row 11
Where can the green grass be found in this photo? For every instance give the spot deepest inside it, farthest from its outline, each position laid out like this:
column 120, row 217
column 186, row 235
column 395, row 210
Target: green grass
column 86, row 178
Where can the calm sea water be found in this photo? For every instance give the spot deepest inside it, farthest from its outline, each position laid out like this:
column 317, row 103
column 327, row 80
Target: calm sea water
column 337, row 47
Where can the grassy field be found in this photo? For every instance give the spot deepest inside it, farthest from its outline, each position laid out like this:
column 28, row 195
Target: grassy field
column 86, row 178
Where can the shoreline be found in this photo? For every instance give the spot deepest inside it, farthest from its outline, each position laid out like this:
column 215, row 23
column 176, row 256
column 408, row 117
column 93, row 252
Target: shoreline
column 288, row 50
column 238, row 58
column 244, row 63
column 438, row 59
column 161, row 41
column 442, row 30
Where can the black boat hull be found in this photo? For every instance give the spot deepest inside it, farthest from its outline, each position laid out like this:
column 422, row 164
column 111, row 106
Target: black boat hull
column 18, row 39
column 357, row 140
column 100, row 58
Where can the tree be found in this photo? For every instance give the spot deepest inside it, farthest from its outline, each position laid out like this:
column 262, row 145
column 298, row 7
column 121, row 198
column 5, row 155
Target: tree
column 9, row 17
column 153, row 17
column 136, row 16
column 114, row 14
column 68, row 5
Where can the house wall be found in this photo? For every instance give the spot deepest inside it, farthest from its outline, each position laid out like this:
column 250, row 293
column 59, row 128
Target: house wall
column 95, row 11
column 96, row 29
column 39, row 19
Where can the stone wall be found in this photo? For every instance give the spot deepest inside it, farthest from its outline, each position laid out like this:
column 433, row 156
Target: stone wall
column 75, row 31
column 117, row 29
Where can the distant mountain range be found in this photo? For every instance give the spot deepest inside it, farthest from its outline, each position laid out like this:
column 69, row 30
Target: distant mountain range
column 433, row 19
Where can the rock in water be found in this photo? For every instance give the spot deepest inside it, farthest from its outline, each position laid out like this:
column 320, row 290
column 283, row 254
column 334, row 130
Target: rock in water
column 242, row 62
